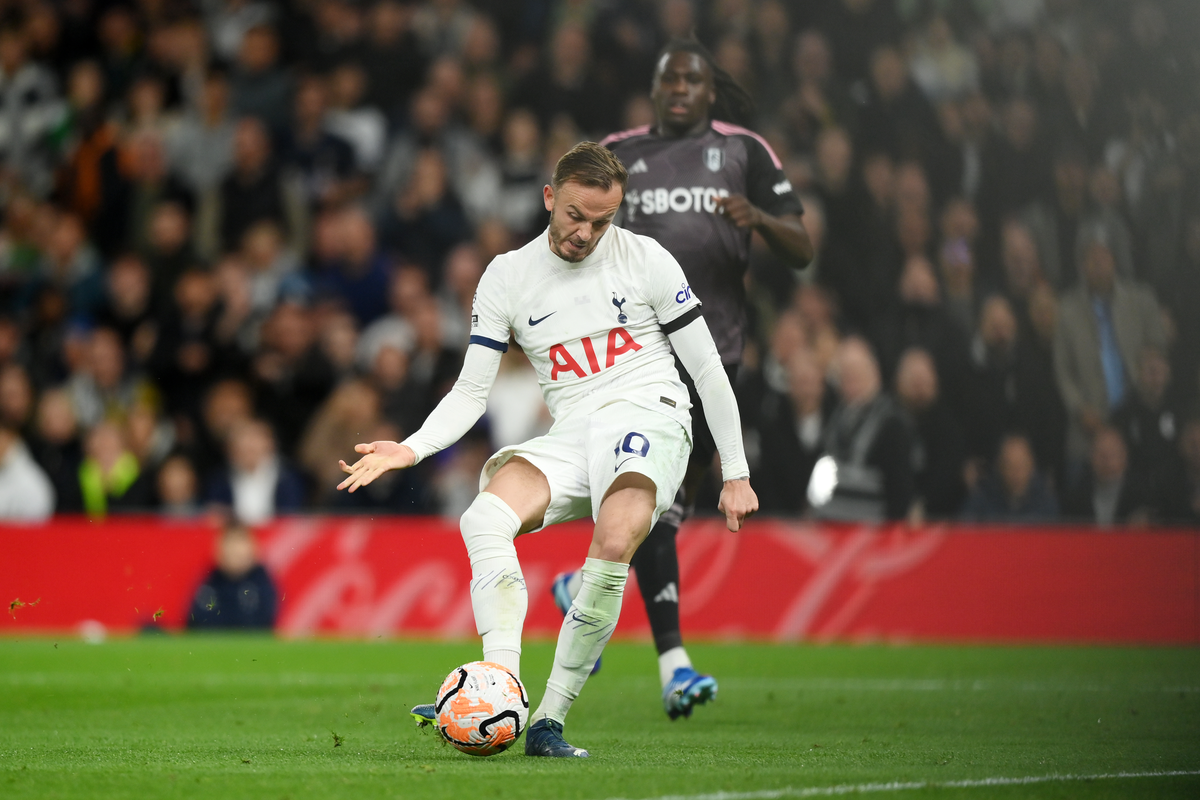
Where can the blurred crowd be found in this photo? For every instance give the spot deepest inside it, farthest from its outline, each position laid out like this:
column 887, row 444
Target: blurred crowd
column 238, row 237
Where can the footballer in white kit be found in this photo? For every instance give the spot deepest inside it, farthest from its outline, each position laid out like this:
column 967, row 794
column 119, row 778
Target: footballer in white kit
column 597, row 310
column 596, row 334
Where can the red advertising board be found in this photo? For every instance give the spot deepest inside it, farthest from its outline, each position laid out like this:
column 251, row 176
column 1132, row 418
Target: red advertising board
column 778, row 580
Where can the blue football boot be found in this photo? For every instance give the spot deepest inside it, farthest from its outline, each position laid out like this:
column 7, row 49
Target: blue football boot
column 563, row 600
column 686, row 690
column 545, row 738
column 424, row 714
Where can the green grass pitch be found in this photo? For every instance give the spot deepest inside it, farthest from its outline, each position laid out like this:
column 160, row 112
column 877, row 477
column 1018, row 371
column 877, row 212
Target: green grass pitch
column 233, row 717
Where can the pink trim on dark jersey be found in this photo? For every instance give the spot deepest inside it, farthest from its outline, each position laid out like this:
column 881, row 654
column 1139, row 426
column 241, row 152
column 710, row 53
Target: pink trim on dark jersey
column 729, row 129
column 613, row 138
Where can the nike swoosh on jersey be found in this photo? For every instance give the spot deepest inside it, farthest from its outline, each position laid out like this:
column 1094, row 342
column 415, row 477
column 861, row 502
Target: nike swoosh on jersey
column 533, row 321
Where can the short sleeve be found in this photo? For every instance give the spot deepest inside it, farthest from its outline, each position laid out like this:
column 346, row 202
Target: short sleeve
column 766, row 184
column 670, row 295
column 490, row 324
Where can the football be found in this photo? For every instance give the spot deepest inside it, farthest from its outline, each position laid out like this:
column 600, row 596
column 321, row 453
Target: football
column 481, row 708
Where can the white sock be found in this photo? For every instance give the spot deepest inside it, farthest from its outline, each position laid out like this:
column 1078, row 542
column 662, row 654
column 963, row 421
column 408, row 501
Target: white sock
column 498, row 595
column 670, row 661
column 586, row 629
column 509, row 659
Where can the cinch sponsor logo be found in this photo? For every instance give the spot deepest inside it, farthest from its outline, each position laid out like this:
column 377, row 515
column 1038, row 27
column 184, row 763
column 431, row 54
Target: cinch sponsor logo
column 619, row 341
column 783, row 187
column 679, row 199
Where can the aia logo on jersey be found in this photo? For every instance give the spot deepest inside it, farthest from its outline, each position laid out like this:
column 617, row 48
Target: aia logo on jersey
column 714, row 158
column 619, row 341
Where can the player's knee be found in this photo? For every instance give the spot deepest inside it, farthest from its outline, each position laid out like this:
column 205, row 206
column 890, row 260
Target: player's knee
column 488, row 528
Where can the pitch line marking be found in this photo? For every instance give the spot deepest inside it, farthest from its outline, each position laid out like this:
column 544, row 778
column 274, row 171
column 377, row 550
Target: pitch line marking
column 906, row 786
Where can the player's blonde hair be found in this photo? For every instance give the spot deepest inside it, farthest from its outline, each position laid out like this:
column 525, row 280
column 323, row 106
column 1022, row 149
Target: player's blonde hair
column 589, row 164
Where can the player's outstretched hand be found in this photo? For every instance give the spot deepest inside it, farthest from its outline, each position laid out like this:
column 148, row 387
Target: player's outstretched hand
column 377, row 458
column 738, row 502
column 740, row 211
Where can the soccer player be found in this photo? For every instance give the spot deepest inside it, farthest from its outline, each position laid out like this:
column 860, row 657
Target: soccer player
column 597, row 310
column 699, row 184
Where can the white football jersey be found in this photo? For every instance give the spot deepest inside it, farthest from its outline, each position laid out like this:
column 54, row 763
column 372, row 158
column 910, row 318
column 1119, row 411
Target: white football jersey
column 593, row 330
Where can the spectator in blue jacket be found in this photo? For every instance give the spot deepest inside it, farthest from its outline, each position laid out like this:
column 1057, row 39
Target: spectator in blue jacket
column 257, row 484
column 1015, row 491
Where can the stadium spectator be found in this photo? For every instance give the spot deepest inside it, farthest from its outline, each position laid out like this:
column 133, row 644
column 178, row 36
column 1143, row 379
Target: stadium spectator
column 336, row 427
column 1014, row 491
column 177, row 487
column 255, row 190
column 425, row 218
column 867, row 447
column 1150, row 418
column 358, row 276
column 56, row 446
column 201, row 146
column 259, row 84
column 16, row 398
column 392, row 58
column 238, row 592
column 258, row 484
column 1110, row 493
column 29, row 109
column 1104, row 323
column 291, row 376
column 791, row 434
column 323, row 160
column 939, row 446
column 1181, row 494
column 26, row 493
column 102, row 385
column 110, row 478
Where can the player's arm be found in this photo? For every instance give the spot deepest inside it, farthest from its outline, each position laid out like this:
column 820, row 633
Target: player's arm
column 456, row 414
column 694, row 345
column 769, row 206
column 785, row 235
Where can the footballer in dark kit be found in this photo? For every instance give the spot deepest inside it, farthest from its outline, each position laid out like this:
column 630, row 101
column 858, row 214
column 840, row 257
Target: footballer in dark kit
column 700, row 184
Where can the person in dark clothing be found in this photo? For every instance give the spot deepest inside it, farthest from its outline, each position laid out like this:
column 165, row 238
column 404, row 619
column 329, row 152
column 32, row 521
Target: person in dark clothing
column 238, row 592
column 866, row 473
column 1149, row 419
column 1110, row 493
column 940, row 450
column 1014, row 492
column 701, row 185
column 255, row 190
column 790, row 435
column 1181, row 493
column 258, row 484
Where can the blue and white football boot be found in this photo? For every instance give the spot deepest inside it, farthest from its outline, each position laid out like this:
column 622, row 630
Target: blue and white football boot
column 562, row 599
column 424, row 714
column 686, row 690
column 545, row 738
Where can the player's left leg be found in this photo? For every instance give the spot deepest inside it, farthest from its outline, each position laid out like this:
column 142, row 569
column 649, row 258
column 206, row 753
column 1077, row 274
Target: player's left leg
column 624, row 519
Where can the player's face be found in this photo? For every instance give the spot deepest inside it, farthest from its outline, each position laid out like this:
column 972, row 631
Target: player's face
column 683, row 92
column 579, row 216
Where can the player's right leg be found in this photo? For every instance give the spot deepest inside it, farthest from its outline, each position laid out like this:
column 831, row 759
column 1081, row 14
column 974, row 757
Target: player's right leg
column 515, row 501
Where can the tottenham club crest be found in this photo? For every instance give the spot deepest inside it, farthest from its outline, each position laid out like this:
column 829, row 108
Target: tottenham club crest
column 621, row 317
column 714, row 158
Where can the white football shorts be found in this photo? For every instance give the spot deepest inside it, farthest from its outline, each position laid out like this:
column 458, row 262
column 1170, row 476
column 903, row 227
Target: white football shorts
column 582, row 455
